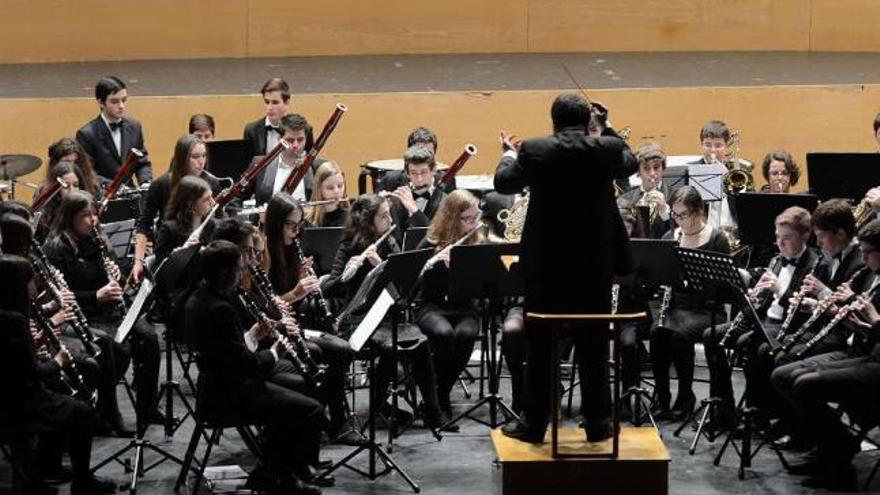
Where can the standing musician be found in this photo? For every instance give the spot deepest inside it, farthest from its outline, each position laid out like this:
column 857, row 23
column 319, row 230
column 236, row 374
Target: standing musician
column 687, row 315
column 770, row 295
column 369, row 221
column 329, row 185
column 780, row 171
column 190, row 203
column 648, row 201
column 451, row 327
column 190, row 159
column 550, row 261
column 202, row 125
column 109, row 137
column 232, row 377
column 847, row 376
column 92, row 275
column 263, row 134
column 29, row 406
column 296, row 131
column 416, row 202
column 295, row 283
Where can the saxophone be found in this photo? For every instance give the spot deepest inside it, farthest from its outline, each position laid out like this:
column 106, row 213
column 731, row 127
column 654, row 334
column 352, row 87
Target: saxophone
column 514, row 218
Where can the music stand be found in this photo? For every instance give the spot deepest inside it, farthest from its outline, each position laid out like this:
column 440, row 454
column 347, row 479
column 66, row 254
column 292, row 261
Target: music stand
column 118, row 221
column 413, row 236
column 674, row 177
column 487, row 273
column 842, row 175
column 230, row 158
column 706, row 178
column 757, row 213
column 321, row 243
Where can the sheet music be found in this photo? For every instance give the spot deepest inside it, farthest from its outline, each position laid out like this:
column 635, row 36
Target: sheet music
column 134, row 311
column 707, row 180
column 371, row 321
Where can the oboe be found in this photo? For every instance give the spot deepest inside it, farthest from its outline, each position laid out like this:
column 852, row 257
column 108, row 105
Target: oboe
column 326, row 317
column 70, row 375
column 54, row 280
column 110, row 269
column 264, row 285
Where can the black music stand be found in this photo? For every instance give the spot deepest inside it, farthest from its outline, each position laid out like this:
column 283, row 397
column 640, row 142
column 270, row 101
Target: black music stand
column 757, row 213
column 487, row 273
column 674, row 177
column 413, row 236
column 842, row 175
column 321, row 243
column 229, row 158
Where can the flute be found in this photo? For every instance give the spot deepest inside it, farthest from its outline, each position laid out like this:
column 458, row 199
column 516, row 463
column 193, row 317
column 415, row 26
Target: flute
column 355, row 263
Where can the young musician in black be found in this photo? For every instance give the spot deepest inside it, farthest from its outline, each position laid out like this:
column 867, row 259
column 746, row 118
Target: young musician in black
column 420, row 136
column 648, row 201
column 358, row 253
column 110, row 136
column 329, row 185
column 68, row 150
column 29, row 406
column 263, row 134
column 295, row 130
column 414, row 204
column 73, row 178
column 202, row 126
column 232, row 379
column 682, row 325
column 76, row 252
column 295, row 284
column 190, row 159
column 452, row 327
column 190, row 203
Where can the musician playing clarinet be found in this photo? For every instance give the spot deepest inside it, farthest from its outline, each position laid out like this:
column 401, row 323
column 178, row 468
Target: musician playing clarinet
column 584, row 201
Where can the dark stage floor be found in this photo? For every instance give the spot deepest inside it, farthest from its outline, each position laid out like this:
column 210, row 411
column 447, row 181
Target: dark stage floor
column 462, row 463
column 477, row 72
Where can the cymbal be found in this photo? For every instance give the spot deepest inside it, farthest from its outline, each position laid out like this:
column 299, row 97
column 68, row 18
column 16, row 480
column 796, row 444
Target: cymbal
column 17, row 165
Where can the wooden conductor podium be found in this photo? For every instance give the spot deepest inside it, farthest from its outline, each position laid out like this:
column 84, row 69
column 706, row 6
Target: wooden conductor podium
column 633, row 460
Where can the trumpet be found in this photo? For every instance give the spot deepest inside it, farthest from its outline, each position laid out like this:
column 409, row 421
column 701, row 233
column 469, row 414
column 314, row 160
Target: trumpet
column 70, row 375
column 354, row 264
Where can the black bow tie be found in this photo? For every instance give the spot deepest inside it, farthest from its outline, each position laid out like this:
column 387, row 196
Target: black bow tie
column 115, row 126
column 425, row 195
column 786, row 262
column 273, row 128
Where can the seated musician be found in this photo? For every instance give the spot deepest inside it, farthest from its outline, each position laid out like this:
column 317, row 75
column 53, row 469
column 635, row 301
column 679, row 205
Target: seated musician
column 682, row 326
column 414, row 204
column 849, row 376
column 329, row 185
column 299, row 291
column 715, row 142
column 75, row 251
column 648, row 201
column 189, row 205
column 420, row 136
column 190, row 159
column 28, row 405
column 232, row 378
column 68, row 150
column 73, row 179
column 780, row 171
column 451, row 327
column 369, row 220
column 770, row 296
column 201, row 125
column 297, row 133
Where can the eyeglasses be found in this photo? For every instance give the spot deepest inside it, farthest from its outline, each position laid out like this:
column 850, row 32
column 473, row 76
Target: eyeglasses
column 779, row 173
column 682, row 215
column 293, row 225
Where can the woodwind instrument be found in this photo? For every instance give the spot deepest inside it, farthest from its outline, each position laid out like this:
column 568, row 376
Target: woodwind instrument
column 325, row 319
column 47, row 194
column 842, row 313
column 122, row 175
column 664, row 304
column 264, row 286
column 328, row 202
column 353, row 266
column 299, row 173
column 436, row 258
column 447, row 177
column 795, row 304
column 273, row 327
column 762, row 298
column 110, row 268
column 70, row 375
column 55, row 283
column 225, row 196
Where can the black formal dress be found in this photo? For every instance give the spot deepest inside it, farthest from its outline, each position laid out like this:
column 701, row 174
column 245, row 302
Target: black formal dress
column 569, row 175
column 153, row 203
column 97, row 141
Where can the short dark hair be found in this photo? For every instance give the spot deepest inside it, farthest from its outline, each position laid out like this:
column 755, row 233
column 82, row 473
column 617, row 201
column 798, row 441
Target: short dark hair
column 219, row 263
column 277, row 84
column 422, row 135
column 201, row 122
column 689, row 197
column 15, row 207
column 295, row 122
column 570, row 110
column 870, row 233
column 418, row 155
column 107, row 86
column 715, row 129
column 234, row 230
column 794, row 172
column 649, row 152
column 835, row 214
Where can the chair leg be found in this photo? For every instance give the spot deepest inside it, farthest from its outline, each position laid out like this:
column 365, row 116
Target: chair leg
column 215, row 437
column 190, row 455
column 871, row 476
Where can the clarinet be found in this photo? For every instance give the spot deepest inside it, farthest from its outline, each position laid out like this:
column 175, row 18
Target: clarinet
column 55, row 282
column 70, row 375
column 765, row 296
column 325, row 319
column 820, row 310
column 107, row 262
column 664, row 304
column 264, row 285
column 838, row 317
column 273, row 325
column 795, row 305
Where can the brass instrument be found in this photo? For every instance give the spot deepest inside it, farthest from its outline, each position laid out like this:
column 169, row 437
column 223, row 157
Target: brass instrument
column 514, row 218
column 739, row 177
column 352, row 267
column 70, row 375
column 862, row 213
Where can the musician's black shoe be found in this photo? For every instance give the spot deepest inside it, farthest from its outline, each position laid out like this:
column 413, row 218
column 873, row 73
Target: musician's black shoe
column 308, row 474
column 660, row 407
column 404, row 418
column 792, row 443
column 347, row 435
column 92, row 485
column 290, row 485
column 522, row 432
column 840, row 478
column 323, row 463
column 684, row 406
column 114, row 428
column 601, row 431
column 157, row 417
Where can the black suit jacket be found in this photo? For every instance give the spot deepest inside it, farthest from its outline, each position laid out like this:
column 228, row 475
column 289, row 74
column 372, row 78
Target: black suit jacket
column 801, row 270
column 421, row 218
column 96, row 140
column 569, row 175
column 849, row 265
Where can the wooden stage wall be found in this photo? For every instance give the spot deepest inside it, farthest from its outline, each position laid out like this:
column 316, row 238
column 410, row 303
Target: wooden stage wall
column 798, row 119
column 85, row 30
